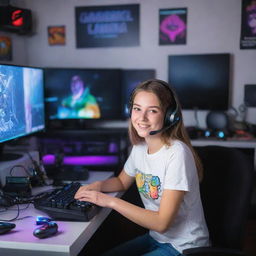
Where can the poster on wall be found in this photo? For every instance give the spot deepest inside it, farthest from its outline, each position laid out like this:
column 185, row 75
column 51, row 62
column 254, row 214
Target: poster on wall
column 248, row 26
column 56, row 35
column 5, row 48
column 172, row 26
column 107, row 26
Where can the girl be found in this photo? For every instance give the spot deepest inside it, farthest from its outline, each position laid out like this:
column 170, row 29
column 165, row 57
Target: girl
column 167, row 173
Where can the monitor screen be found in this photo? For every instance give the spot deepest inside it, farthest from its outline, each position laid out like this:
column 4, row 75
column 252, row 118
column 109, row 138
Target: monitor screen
column 21, row 101
column 73, row 93
column 201, row 81
column 130, row 79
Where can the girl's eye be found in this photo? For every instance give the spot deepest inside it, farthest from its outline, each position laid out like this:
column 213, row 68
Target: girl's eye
column 136, row 109
column 153, row 111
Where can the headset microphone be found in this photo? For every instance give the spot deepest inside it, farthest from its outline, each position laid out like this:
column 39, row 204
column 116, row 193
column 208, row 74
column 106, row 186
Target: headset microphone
column 160, row 130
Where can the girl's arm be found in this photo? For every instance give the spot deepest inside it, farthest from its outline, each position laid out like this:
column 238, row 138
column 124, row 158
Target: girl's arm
column 154, row 220
column 159, row 220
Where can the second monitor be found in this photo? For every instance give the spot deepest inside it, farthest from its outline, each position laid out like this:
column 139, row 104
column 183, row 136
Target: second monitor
column 73, row 93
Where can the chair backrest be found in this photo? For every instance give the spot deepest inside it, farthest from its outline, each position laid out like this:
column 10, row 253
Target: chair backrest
column 226, row 192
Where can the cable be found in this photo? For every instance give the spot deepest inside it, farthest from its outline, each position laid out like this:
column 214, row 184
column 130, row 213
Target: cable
column 18, row 213
column 26, row 200
column 25, row 217
column 24, row 168
column 16, row 217
column 38, row 176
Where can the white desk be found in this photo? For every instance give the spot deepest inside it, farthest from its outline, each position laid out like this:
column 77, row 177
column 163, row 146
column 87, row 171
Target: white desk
column 69, row 241
column 246, row 144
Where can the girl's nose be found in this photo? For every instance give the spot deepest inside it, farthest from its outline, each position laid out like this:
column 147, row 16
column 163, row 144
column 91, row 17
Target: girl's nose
column 143, row 115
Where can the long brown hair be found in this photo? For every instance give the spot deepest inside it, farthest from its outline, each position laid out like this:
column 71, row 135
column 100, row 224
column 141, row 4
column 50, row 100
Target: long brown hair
column 167, row 98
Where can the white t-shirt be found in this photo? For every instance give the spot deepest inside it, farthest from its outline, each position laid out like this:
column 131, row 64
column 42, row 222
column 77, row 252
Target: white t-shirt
column 172, row 167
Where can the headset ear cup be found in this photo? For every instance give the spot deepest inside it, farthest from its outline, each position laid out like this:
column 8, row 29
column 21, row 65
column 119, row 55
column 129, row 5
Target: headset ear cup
column 128, row 111
column 171, row 117
column 167, row 118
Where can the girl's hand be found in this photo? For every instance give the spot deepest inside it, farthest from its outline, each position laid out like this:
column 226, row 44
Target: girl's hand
column 96, row 186
column 95, row 197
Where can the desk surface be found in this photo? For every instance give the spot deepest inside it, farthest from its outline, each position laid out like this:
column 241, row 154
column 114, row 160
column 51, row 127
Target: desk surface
column 70, row 239
column 230, row 142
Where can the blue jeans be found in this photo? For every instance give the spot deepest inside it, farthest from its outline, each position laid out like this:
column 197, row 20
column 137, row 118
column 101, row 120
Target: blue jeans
column 143, row 245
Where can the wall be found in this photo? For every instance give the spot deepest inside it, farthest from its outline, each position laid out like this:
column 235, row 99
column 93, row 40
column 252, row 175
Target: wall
column 19, row 49
column 213, row 27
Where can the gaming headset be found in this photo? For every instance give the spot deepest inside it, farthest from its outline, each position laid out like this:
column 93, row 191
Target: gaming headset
column 172, row 115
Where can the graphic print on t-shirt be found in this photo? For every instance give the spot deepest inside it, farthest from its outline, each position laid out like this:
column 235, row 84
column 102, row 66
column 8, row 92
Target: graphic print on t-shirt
column 148, row 184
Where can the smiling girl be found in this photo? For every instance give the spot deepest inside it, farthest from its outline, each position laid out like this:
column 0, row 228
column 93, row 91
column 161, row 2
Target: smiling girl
column 167, row 173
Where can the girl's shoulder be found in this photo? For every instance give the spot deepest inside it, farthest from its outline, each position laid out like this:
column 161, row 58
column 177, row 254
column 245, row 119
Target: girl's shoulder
column 178, row 147
column 177, row 144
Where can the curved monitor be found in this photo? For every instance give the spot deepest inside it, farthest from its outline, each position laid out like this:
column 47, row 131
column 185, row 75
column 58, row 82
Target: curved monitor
column 201, row 81
column 76, row 93
column 21, row 101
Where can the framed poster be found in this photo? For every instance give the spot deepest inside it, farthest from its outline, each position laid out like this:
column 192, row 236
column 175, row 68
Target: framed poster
column 107, row 26
column 56, row 35
column 5, row 48
column 248, row 26
column 172, row 26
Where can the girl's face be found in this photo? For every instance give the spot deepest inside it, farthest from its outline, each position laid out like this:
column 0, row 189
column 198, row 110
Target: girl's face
column 147, row 114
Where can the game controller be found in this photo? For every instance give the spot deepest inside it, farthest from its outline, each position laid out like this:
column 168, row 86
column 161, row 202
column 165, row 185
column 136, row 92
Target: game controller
column 46, row 230
column 6, row 227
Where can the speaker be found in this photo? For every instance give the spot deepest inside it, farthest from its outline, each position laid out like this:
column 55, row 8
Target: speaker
column 250, row 95
column 217, row 120
column 16, row 20
column 217, row 124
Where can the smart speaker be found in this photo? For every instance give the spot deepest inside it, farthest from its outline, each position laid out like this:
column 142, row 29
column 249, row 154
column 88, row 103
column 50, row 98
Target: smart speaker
column 217, row 120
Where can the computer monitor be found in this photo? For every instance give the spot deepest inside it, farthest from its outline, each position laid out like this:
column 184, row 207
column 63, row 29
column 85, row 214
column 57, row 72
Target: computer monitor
column 82, row 94
column 201, row 81
column 130, row 79
column 21, row 103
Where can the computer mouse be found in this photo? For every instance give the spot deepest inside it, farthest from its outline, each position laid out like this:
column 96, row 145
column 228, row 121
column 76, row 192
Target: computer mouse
column 6, row 227
column 46, row 230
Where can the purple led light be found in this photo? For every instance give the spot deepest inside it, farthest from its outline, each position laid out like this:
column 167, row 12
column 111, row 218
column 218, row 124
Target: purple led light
column 112, row 148
column 82, row 160
column 48, row 159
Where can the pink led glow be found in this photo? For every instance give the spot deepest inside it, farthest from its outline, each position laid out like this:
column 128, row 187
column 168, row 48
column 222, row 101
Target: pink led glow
column 82, row 160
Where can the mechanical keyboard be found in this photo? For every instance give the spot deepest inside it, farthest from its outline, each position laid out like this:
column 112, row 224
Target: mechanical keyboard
column 60, row 204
